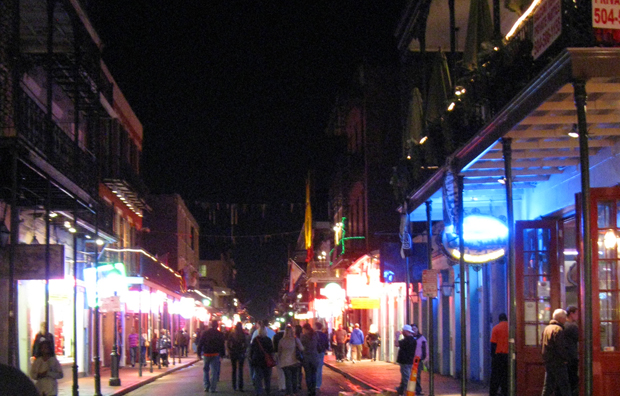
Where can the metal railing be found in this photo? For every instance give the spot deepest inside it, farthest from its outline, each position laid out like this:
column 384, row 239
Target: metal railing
column 57, row 147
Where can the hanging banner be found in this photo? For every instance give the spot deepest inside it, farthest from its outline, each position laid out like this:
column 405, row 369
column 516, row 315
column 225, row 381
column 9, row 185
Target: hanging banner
column 30, row 262
column 547, row 26
column 450, row 196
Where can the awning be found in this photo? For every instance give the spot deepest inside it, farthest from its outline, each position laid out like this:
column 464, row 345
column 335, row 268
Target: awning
column 538, row 120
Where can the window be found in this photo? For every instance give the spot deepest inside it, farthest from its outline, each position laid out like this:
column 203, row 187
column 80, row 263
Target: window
column 536, row 285
column 609, row 290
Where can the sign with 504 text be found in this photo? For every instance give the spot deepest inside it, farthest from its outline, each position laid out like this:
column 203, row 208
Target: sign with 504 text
column 606, row 14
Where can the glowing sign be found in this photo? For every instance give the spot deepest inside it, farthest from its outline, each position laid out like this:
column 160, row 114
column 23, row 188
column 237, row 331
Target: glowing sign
column 333, row 291
column 364, row 278
column 485, row 239
column 107, row 280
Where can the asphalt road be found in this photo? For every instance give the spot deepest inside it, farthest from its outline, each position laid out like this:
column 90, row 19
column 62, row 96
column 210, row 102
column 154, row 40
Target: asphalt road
column 188, row 381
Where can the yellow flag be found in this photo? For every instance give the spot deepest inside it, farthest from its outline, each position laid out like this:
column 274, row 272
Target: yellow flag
column 308, row 219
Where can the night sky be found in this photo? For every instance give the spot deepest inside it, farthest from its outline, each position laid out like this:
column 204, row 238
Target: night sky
column 235, row 96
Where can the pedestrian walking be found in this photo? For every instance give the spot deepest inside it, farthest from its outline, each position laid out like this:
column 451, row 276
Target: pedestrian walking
column 373, row 341
column 572, row 340
column 154, row 349
column 347, row 344
column 281, row 379
column 499, row 357
column 133, row 341
column 421, row 351
column 212, row 348
column 260, row 347
column 340, row 338
column 357, row 340
column 310, row 361
column 298, row 332
column 164, row 346
column 288, row 360
column 46, row 370
column 322, row 347
column 144, row 343
column 42, row 336
column 237, row 345
column 406, row 354
column 556, row 356
column 180, row 342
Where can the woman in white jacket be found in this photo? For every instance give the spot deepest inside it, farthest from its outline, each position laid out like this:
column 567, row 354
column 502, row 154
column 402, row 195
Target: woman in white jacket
column 288, row 360
column 46, row 370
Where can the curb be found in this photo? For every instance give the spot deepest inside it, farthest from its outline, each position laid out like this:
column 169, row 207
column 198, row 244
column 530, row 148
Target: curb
column 137, row 385
column 354, row 378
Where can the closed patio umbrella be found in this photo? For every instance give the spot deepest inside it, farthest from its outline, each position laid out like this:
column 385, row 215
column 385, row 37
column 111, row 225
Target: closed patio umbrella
column 479, row 31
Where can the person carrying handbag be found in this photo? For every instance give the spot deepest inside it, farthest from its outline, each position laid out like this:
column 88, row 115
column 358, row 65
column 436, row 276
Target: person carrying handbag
column 260, row 348
column 289, row 349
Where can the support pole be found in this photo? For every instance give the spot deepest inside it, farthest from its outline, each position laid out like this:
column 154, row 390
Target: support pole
column 512, row 274
column 407, row 305
column 463, row 290
column 96, row 358
column 580, row 102
column 431, row 301
column 49, row 142
column 76, row 385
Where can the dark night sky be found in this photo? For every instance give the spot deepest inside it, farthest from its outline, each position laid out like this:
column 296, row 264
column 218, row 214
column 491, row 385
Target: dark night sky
column 234, row 96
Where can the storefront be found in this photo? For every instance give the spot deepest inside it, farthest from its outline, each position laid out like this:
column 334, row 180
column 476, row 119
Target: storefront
column 31, row 300
column 533, row 141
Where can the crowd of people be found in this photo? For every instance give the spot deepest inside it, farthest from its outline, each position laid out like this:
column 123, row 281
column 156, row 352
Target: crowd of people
column 296, row 352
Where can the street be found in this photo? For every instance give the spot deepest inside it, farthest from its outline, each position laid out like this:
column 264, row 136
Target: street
column 188, row 381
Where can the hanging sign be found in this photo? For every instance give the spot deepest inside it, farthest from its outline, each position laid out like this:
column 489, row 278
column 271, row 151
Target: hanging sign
column 606, row 14
column 485, row 239
column 110, row 304
column 429, row 283
column 547, row 26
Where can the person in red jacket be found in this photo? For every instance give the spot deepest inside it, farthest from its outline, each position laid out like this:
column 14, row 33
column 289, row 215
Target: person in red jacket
column 499, row 357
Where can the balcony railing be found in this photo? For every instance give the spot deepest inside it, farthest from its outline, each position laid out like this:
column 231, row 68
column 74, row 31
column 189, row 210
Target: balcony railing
column 57, row 147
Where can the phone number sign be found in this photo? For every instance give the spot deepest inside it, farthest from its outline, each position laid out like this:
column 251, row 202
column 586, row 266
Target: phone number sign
column 606, row 14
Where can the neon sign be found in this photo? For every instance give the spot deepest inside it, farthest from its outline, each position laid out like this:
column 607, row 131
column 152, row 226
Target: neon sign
column 106, row 280
column 485, row 239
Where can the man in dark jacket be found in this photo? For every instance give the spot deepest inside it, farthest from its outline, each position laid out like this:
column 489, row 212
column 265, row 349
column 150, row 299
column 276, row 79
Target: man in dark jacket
column 555, row 355
column 212, row 347
column 406, row 354
column 571, row 330
column 322, row 346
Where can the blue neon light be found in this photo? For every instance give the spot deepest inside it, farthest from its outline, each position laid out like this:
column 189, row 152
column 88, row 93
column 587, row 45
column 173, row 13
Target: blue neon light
column 480, row 228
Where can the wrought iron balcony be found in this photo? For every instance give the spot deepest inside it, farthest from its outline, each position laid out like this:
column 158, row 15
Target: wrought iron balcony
column 320, row 270
column 58, row 148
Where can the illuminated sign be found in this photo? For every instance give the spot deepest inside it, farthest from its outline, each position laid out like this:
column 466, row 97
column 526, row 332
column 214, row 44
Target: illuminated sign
column 485, row 239
column 105, row 281
column 364, row 278
column 365, row 303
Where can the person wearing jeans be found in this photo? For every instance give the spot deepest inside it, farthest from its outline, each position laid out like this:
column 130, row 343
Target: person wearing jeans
column 322, row 346
column 357, row 340
column 211, row 347
column 406, row 354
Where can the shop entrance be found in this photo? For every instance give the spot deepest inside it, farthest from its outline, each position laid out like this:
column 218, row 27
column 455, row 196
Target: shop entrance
column 605, row 230
column 539, row 291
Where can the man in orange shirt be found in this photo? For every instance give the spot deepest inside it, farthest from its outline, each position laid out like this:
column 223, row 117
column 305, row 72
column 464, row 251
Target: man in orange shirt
column 499, row 357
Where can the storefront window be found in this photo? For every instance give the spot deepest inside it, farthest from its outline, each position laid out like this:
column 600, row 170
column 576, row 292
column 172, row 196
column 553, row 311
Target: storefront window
column 536, row 286
column 609, row 290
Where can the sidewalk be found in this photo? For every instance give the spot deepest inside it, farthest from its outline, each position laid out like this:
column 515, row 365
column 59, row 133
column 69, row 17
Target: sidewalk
column 129, row 379
column 384, row 377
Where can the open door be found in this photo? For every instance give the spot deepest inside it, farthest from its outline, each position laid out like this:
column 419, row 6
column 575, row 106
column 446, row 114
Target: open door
column 538, row 275
column 605, row 233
